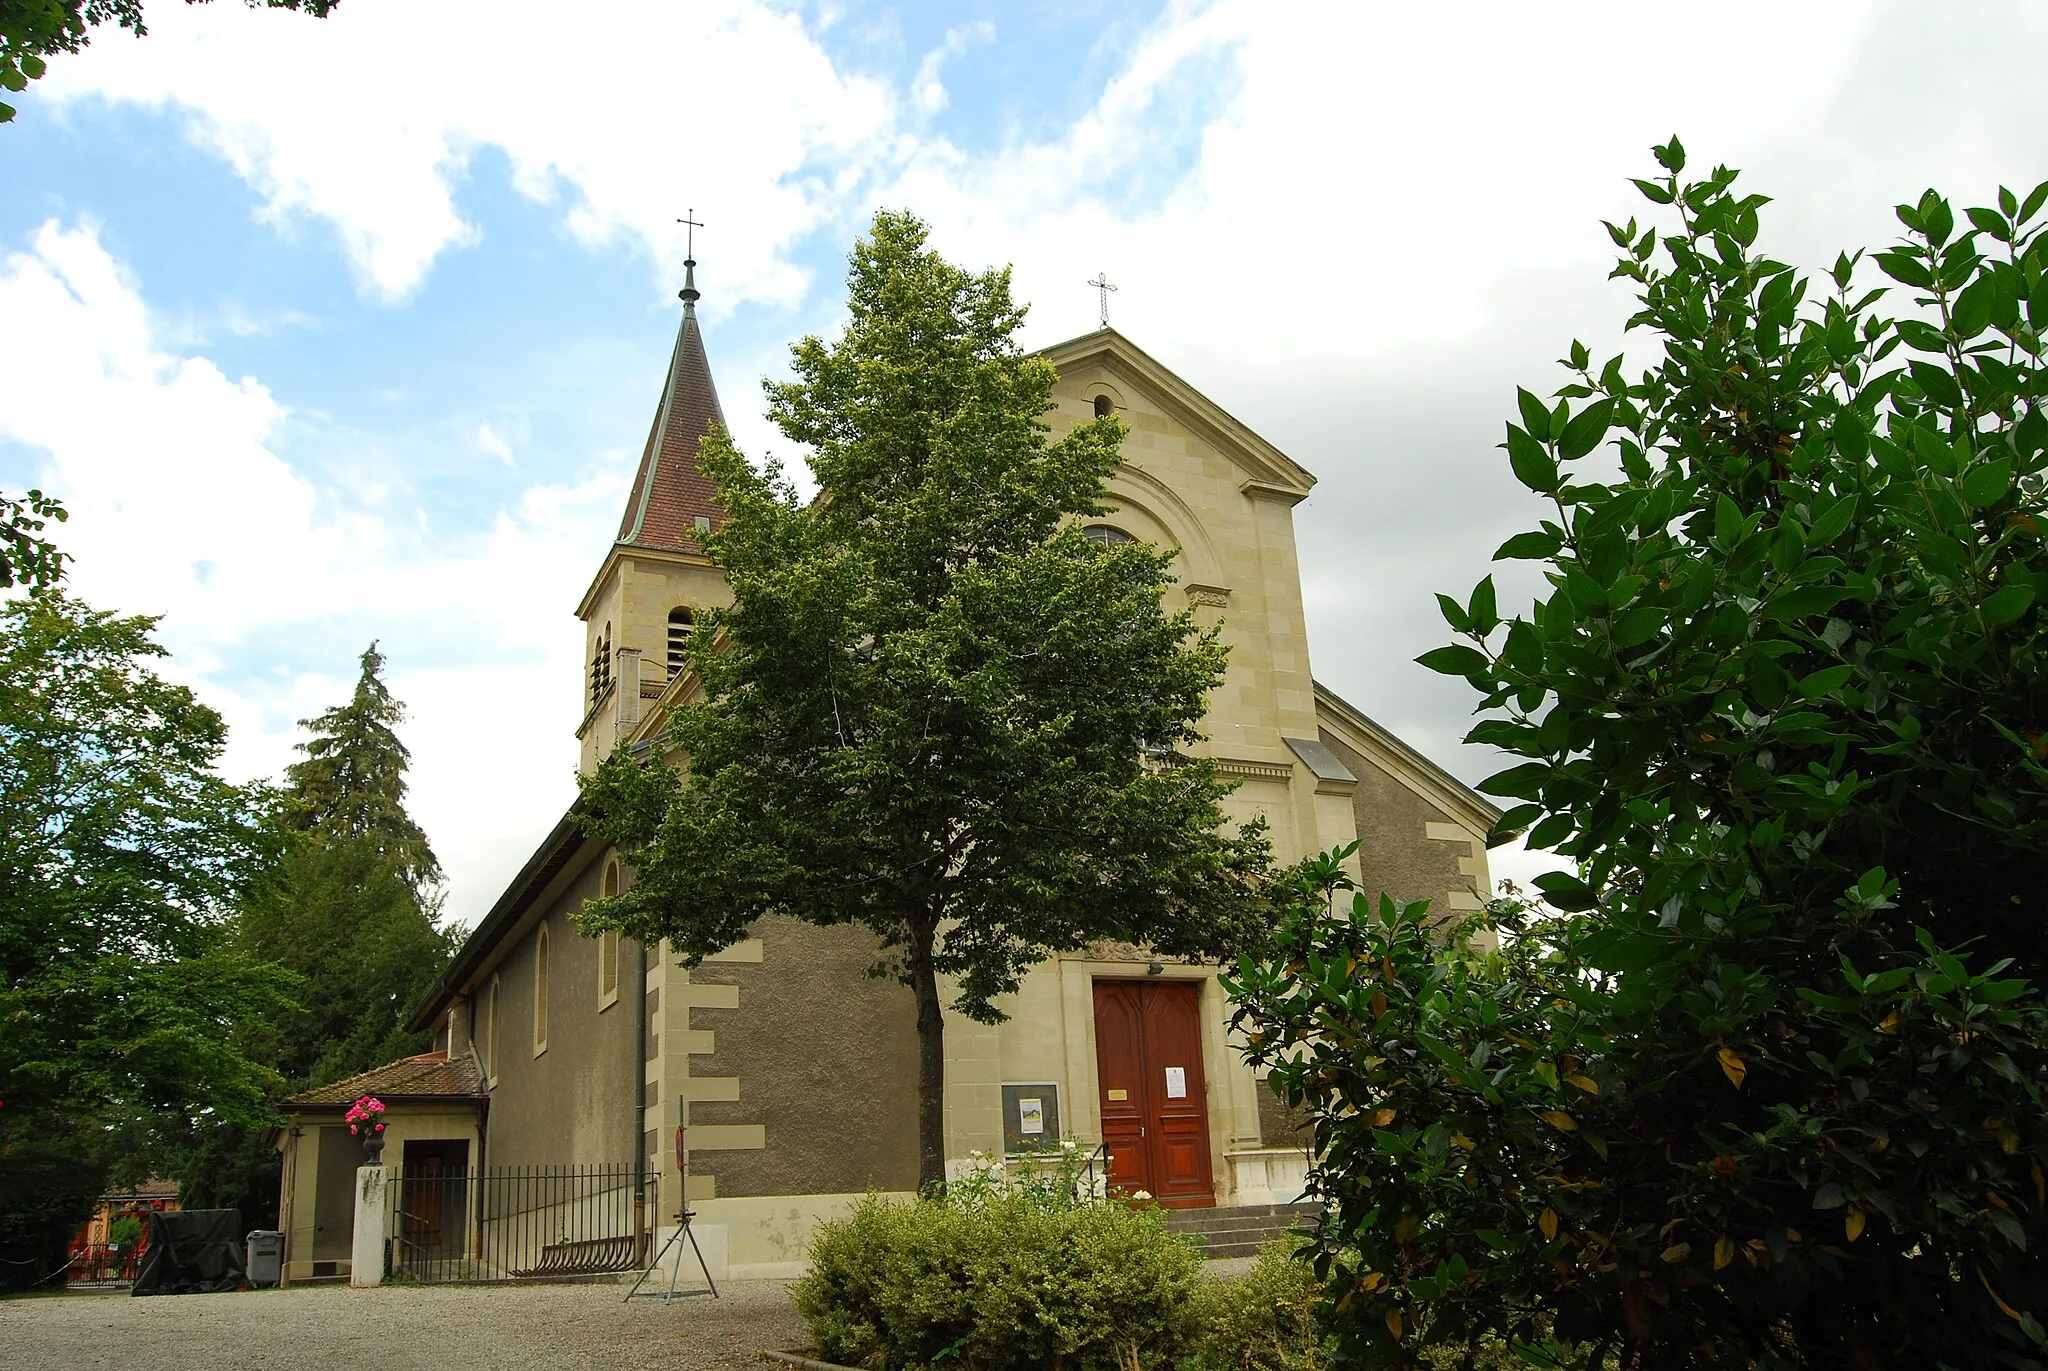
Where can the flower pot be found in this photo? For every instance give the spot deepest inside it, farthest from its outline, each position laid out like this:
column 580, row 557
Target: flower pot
column 373, row 1144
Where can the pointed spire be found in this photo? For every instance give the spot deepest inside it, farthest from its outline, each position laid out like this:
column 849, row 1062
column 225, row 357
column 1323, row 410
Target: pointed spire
column 670, row 495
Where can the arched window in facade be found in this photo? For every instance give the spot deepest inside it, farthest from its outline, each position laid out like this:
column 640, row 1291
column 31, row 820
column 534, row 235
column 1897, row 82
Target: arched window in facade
column 608, row 946
column 681, row 624
column 1106, row 534
column 1104, row 406
column 540, row 991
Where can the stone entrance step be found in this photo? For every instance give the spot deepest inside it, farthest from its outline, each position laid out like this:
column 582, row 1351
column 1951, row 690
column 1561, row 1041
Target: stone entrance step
column 1240, row 1230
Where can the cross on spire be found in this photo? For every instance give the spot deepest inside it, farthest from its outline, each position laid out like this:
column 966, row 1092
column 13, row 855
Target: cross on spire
column 689, row 291
column 1102, row 290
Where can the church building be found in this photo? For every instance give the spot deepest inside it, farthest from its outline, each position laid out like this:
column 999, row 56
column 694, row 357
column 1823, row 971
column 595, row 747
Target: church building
column 792, row 1075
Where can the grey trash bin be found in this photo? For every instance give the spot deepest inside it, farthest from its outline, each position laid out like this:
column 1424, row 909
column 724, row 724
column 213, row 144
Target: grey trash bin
column 266, row 1257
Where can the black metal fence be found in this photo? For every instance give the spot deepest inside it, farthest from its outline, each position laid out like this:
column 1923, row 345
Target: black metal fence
column 100, row 1264
column 518, row 1223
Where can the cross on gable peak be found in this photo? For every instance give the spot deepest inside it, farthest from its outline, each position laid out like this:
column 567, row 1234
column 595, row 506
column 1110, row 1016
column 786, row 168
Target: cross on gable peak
column 1102, row 290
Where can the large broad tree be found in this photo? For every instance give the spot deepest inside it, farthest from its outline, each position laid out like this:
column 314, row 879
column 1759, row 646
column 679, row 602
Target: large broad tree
column 1771, row 1090
column 934, row 708
column 123, row 854
column 31, row 31
column 27, row 558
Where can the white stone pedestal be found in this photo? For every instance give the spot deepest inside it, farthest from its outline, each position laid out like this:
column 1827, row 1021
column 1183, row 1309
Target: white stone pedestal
column 372, row 1211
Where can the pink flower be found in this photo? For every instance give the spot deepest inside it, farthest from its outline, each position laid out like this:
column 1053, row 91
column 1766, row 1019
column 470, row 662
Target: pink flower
column 367, row 1109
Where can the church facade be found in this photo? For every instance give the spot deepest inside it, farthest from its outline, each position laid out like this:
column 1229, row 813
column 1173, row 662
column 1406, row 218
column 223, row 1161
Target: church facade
column 792, row 1074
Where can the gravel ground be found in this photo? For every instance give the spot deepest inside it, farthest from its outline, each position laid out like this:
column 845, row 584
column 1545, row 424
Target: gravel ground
column 398, row 1328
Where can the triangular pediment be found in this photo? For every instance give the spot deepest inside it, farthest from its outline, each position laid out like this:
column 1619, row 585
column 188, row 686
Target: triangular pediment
column 1269, row 470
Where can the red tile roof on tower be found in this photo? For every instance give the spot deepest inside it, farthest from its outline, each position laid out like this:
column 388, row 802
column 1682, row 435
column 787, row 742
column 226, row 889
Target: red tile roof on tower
column 430, row 1073
column 669, row 493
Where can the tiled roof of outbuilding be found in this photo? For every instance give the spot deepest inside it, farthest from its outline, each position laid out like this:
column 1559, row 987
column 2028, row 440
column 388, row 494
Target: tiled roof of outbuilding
column 429, row 1074
column 669, row 493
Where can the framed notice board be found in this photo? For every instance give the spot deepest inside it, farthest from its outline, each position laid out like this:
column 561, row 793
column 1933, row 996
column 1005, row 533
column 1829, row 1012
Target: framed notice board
column 1031, row 1116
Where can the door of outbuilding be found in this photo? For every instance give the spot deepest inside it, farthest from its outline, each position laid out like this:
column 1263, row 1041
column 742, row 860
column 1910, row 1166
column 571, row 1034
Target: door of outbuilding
column 1155, row 1100
column 431, row 1215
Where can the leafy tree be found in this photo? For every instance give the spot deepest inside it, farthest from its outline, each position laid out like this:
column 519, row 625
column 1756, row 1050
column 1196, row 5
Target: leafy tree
column 26, row 557
column 31, row 30
column 934, row 708
column 122, row 857
column 1770, row 1090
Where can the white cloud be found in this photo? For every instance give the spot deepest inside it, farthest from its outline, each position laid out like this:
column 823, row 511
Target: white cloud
column 1356, row 225
column 369, row 119
column 1387, row 217
column 269, row 587
column 488, row 439
column 928, row 93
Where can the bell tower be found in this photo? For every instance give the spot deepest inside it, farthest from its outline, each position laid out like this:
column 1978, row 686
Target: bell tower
column 643, row 607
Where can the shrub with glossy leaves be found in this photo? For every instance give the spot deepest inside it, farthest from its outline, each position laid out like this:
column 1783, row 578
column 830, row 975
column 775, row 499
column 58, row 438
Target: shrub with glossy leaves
column 1768, row 1089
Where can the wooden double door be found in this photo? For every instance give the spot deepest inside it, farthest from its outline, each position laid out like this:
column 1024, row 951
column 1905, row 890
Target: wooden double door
column 1155, row 1102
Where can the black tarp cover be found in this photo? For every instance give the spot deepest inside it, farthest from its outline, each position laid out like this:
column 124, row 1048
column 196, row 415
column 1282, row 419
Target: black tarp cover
column 196, row 1252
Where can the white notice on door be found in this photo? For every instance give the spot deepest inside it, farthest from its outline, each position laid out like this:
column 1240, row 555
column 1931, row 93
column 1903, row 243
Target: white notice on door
column 1031, row 1115
column 1176, row 1082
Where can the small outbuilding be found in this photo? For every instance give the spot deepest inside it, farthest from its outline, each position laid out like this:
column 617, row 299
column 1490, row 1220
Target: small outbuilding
column 435, row 1108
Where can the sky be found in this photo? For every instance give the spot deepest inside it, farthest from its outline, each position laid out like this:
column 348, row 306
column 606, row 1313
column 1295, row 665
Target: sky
column 337, row 330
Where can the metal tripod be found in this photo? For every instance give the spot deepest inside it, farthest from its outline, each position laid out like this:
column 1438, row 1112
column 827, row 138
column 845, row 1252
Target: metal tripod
column 675, row 1272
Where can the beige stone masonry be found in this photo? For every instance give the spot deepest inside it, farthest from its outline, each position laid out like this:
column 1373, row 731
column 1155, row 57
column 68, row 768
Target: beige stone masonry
column 726, row 1137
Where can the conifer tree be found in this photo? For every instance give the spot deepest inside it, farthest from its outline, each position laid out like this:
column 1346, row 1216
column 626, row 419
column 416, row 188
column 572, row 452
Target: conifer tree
column 351, row 785
column 352, row 909
column 354, row 905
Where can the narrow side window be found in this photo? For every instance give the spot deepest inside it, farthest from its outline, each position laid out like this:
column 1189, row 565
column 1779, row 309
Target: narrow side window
column 493, row 1026
column 540, row 991
column 608, row 946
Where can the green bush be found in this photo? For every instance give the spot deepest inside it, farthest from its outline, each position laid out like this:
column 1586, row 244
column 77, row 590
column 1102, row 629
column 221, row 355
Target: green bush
column 1265, row 1321
column 995, row 1280
column 1269, row 1321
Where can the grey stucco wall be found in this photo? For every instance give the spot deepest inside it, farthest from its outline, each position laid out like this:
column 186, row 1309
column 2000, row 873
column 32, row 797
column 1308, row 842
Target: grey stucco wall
column 827, row 1061
column 1395, row 854
column 574, row 1102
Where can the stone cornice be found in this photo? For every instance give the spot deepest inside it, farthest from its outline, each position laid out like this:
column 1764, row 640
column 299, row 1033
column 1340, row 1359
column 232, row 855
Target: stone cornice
column 1268, row 490
column 1246, row 769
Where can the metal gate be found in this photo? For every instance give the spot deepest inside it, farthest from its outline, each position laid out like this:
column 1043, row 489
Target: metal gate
column 518, row 1223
